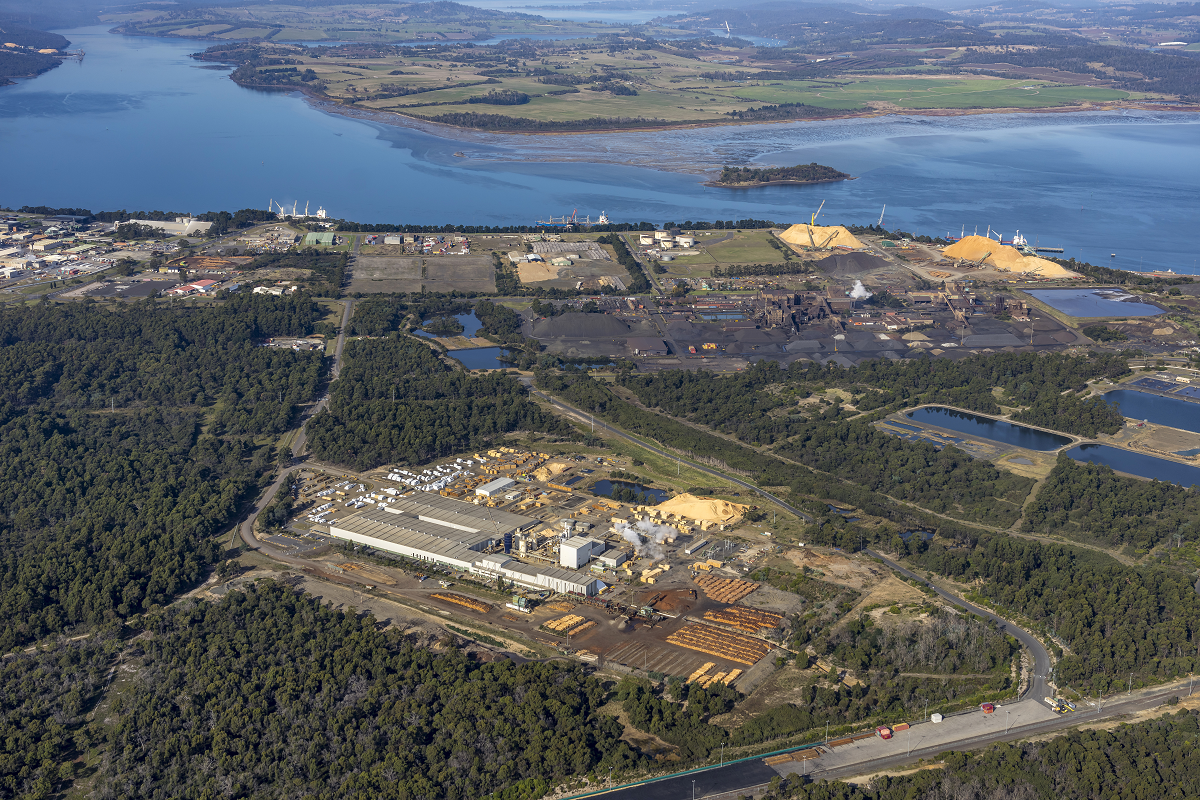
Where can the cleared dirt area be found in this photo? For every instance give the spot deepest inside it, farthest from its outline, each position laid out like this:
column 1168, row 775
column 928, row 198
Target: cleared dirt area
column 383, row 274
column 838, row 568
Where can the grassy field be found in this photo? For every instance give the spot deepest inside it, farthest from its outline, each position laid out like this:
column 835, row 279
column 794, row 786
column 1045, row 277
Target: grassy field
column 669, row 88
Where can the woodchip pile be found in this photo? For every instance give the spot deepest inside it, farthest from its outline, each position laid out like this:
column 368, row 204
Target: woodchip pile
column 750, row 620
column 466, row 602
column 725, row 590
column 722, row 644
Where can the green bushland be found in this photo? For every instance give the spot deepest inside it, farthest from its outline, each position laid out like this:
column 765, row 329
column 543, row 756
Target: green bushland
column 438, row 410
column 128, row 439
column 272, row 694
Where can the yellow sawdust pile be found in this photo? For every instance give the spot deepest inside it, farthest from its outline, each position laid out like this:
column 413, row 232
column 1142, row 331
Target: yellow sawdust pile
column 549, row 471
column 915, row 336
column 1003, row 257
column 702, row 508
column 799, row 235
column 534, row 271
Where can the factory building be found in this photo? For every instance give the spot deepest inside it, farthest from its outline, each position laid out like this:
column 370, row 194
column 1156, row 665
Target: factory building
column 495, row 488
column 538, row 577
column 578, row 551
column 645, row 346
column 440, row 530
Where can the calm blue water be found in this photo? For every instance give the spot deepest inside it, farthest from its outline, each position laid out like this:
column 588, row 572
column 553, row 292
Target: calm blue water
column 140, row 125
column 1157, row 409
column 1095, row 303
column 605, row 488
column 987, row 428
column 481, row 358
column 470, row 323
column 760, row 41
column 1136, row 464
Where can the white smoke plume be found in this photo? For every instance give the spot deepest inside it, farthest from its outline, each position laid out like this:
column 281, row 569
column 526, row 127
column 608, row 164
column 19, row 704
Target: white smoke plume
column 859, row 292
column 646, row 537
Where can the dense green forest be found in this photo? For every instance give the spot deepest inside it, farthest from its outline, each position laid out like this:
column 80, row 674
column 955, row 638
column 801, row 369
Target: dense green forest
column 271, row 694
column 381, row 314
column 324, row 272
column 1072, row 414
column 44, row 696
column 127, row 438
column 437, row 410
column 1131, row 762
column 802, row 173
column 1090, row 501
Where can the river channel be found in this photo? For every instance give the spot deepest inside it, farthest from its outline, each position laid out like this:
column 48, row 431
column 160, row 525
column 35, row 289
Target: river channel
column 140, row 125
column 988, row 428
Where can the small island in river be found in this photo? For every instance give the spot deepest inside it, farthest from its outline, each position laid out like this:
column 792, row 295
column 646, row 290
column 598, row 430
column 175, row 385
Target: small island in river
column 743, row 177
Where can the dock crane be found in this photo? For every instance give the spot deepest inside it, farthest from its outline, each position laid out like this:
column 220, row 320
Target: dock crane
column 881, row 213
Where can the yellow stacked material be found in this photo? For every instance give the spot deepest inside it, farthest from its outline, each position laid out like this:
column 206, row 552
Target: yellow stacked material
column 1004, row 258
column 748, row 620
column 725, row 590
column 581, row 628
column 562, row 623
column 732, row 676
column 560, row 606
column 722, row 644
column 701, row 566
column 698, row 674
column 799, row 235
column 718, row 678
column 714, row 563
column 703, row 509
column 466, row 602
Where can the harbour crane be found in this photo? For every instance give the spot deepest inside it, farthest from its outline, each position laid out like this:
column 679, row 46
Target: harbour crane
column 813, row 221
column 881, row 213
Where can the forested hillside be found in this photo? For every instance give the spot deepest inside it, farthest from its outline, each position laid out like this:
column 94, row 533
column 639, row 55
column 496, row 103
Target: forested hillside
column 397, row 401
column 127, row 439
column 271, row 694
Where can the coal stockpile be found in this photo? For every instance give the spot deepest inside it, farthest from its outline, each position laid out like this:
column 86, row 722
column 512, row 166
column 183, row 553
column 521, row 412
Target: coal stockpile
column 845, row 265
column 580, row 326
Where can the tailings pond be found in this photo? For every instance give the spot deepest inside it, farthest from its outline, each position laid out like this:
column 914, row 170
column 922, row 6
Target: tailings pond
column 988, row 428
column 469, row 322
column 1096, row 302
column 1136, row 464
column 1156, row 409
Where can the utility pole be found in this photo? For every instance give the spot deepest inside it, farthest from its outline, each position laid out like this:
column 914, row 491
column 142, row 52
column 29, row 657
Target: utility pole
column 1006, row 720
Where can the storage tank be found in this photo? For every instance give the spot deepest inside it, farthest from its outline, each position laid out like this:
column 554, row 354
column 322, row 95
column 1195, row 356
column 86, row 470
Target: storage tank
column 685, row 241
column 660, row 235
column 507, row 542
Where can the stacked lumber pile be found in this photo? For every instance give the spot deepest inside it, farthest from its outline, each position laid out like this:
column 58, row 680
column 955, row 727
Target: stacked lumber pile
column 725, row 590
column 749, row 620
column 722, row 644
column 466, row 602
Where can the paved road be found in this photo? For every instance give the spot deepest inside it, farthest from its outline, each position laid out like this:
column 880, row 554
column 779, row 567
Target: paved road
column 246, row 528
column 616, row 432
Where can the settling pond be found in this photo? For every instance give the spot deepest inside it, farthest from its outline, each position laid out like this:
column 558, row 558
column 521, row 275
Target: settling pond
column 1136, row 464
column 988, row 428
column 605, row 488
column 1096, row 302
column 1156, row 409
column 482, row 358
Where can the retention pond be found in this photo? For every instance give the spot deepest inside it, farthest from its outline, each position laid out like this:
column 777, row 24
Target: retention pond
column 1136, row 464
column 988, row 428
column 1157, row 409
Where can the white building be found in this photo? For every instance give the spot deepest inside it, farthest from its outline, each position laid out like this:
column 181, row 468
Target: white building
column 495, row 488
column 577, row 551
column 182, row 226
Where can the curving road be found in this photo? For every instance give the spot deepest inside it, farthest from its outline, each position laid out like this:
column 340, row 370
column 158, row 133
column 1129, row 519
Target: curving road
column 1041, row 658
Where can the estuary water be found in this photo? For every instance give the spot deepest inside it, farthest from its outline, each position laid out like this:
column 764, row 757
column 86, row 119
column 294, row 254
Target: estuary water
column 140, row 125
